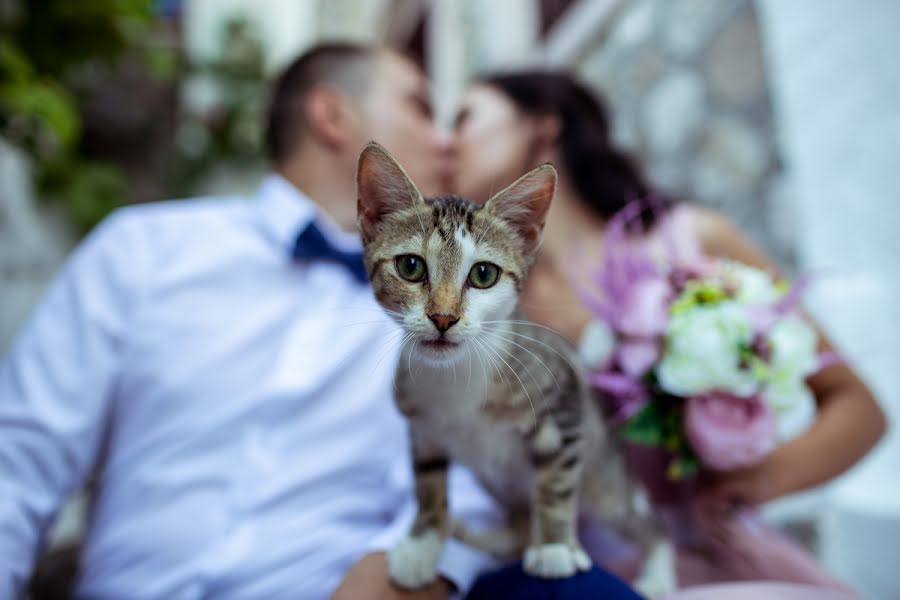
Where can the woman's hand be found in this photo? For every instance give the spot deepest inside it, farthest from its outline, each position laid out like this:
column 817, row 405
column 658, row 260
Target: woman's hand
column 749, row 486
column 848, row 423
column 368, row 579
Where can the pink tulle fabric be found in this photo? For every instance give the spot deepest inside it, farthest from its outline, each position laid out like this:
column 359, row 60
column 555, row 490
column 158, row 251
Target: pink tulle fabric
column 759, row 591
column 713, row 547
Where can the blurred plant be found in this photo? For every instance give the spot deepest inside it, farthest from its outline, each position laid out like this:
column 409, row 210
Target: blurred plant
column 109, row 109
column 221, row 121
column 47, row 52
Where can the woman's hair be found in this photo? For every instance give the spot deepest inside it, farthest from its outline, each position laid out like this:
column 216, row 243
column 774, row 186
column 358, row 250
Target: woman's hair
column 605, row 178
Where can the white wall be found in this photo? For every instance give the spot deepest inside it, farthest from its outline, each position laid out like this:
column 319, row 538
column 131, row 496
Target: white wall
column 835, row 80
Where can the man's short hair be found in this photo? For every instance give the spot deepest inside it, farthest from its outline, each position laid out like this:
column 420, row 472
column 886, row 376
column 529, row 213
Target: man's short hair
column 344, row 64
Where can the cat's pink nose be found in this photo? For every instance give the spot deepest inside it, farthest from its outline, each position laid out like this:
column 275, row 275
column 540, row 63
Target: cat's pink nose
column 443, row 322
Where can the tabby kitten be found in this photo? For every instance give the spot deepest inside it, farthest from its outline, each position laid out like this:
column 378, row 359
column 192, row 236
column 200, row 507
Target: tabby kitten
column 478, row 384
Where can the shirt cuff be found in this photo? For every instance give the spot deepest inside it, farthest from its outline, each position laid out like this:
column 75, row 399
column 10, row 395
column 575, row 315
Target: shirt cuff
column 462, row 564
column 394, row 532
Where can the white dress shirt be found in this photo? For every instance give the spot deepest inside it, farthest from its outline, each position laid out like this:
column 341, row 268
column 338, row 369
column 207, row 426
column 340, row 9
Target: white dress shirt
column 235, row 408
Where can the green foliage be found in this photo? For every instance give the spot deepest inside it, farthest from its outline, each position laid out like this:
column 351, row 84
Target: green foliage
column 232, row 133
column 646, row 426
column 682, row 466
column 64, row 62
column 44, row 47
column 658, row 424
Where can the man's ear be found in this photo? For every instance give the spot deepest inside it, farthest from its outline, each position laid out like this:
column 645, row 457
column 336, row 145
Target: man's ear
column 327, row 116
column 382, row 187
column 525, row 203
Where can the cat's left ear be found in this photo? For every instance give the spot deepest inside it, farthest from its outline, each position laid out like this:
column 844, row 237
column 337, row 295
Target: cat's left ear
column 525, row 203
column 382, row 187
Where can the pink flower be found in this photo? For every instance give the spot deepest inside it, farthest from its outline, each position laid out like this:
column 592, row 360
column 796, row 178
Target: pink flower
column 637, row 356
column 626, row 394
column 646, row 310
column 728, row 432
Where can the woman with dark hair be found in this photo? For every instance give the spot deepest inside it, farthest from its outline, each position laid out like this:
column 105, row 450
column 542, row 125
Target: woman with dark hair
column 512, row 122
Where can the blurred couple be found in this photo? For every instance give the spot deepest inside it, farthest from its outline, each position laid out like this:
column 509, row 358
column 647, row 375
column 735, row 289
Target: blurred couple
column 218, row 374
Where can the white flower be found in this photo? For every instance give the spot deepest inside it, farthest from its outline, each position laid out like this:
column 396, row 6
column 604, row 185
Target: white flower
column 794, row 404
column 793, row 343
column 703, row 351
column 597, row 343
column 754, row 286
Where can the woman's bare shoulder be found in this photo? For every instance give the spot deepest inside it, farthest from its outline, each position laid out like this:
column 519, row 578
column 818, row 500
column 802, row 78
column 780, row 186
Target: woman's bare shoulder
column 708, row 224
column 718, row 235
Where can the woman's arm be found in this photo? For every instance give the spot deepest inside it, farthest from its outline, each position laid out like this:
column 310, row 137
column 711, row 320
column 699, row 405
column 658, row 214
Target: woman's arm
column 849, row 421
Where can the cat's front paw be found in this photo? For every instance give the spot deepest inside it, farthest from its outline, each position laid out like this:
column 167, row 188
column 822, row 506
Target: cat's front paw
column 413, row 561
column 555, row 561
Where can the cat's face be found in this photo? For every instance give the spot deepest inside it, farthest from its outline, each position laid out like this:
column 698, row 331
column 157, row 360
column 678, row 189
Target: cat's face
column 446, row 269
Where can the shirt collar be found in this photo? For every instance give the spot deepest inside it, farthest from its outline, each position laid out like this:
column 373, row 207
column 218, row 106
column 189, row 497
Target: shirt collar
column 286, row 211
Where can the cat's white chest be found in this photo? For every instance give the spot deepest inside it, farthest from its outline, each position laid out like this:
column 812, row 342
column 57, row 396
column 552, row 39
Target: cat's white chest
column 449, row 413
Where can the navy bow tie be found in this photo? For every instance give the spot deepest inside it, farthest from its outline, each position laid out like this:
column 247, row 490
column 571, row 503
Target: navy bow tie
column 312, row 245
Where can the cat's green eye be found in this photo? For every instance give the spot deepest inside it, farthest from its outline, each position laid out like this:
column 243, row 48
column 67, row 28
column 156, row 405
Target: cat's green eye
column 483, row 275
column 411, row 267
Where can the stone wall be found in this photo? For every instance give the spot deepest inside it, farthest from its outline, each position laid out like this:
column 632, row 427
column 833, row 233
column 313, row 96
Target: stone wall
column 687, row 87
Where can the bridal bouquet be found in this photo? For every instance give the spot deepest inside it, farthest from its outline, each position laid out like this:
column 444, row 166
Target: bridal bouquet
column 703, row 358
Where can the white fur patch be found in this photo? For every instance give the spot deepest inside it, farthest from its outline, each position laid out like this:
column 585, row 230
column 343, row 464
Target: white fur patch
column 555, row 561
column 413, row 561
column 657, row 578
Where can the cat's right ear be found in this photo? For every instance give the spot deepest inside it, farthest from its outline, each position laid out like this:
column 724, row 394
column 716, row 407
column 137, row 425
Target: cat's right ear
column 382, row 187
column 524, row 204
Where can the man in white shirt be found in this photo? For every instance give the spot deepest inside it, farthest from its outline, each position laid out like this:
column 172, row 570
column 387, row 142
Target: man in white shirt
column 220, row 370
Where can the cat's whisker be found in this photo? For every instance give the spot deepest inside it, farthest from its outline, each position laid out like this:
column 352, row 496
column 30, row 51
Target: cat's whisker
column 501, row 335
column 512, row 355
column 389, row 348
column 521, row 383
column 560, row 306
column 567, row 359
column 481, row 360
column 490, row 355
column 469, row 361
column 409, row 361
column 490, row 361
column 368, row 307
column 483, row 357
column 530, row 353
column 360, row 323
column 347, row 359
column 402, row 344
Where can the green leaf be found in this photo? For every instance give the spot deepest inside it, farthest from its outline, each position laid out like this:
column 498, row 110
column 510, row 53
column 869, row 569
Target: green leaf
column 682, row 467
column 646, row 426
column 14, row 65
column 47, row 105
